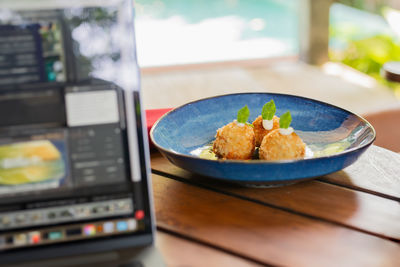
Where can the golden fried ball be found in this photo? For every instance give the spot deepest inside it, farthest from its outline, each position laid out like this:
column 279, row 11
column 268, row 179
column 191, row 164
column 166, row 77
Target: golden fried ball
column 259, row 130
column 276, row 146
column 234, row 141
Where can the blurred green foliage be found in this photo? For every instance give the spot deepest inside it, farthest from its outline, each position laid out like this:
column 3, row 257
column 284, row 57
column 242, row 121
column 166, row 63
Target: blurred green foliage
column 373, row 6
column 368, row 54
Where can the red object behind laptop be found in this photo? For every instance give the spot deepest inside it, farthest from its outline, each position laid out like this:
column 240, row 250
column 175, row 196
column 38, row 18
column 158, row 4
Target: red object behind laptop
column 152, row 115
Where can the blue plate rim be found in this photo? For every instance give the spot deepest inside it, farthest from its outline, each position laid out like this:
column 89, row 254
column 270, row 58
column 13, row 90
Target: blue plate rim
column 249, row 161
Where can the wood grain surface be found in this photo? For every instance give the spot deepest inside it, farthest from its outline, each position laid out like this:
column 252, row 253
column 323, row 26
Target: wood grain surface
column 377, row 171
column 179, row 252
column 331, row 203
column 264, row 234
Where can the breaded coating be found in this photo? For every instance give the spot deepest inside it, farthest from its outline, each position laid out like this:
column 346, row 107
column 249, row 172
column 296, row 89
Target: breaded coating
column 276, row 146
column 234, row 141
column 259, row 130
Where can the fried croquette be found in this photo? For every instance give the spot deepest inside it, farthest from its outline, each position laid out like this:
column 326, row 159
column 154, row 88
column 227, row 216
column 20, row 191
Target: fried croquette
column 259, row 130
column 276, row 146
column 234, row 141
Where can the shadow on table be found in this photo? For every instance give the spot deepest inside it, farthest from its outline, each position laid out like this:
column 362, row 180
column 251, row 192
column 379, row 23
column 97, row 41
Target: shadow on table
column 312, row 198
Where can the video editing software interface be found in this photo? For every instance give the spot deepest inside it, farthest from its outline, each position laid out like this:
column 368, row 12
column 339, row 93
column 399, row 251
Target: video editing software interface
column 65, row 172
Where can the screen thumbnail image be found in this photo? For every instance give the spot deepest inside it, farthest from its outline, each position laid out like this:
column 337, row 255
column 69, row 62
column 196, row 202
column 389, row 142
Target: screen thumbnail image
column 32, row 162
column 31, row 53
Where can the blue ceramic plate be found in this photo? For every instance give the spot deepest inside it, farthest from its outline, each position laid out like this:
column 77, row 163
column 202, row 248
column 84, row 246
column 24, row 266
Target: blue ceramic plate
column 335, row 138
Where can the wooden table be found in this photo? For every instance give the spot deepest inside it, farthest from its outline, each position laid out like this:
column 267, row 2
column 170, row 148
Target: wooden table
column 348, row 218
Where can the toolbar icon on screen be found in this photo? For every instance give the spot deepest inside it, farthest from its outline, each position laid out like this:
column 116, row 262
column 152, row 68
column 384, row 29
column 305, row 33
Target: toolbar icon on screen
column 108, row 227
column 34, row 237
column 89, row 230
column 122, row 226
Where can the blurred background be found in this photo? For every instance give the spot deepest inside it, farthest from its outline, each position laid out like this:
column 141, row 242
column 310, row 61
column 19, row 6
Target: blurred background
column 363, row 34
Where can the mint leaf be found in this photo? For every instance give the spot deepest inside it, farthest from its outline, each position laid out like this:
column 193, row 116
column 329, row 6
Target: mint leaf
column 268, row 110
column 249, row 124
column 285, row 120
column 243, row 114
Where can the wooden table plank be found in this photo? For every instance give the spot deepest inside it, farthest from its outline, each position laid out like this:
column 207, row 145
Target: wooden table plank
column 354, row 209
column 181, row 252
column 376, row 171
column 262, row 233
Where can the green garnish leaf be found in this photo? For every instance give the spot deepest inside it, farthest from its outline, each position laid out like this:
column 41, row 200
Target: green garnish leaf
column 243, row 114
column 268, row 110
column 285, row 120
column 250, row 124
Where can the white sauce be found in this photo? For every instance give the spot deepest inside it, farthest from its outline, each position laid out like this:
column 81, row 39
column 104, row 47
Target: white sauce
column 268, row 124
column 287, row 131
column 239, row 123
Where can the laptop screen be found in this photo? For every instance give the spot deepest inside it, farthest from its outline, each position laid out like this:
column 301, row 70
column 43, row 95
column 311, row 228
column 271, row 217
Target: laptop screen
column 72, row 155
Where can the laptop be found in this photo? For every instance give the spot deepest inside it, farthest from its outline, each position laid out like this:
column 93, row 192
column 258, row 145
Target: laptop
column 74, row 162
